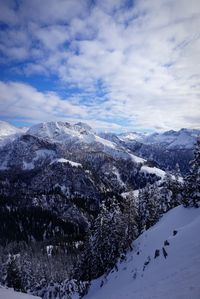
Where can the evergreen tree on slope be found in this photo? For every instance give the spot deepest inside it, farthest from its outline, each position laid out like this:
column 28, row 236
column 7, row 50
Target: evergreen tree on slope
column 130, row 219
column 108, row 238
column 13, row 274
column 191, row 194
column 149, row 207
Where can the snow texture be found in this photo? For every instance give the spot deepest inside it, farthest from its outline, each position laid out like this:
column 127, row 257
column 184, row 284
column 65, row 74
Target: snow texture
column 11, row 294
column 131, row 136
column 72, row 163
column 142, row 276
column 137, row 159
column 154, row 170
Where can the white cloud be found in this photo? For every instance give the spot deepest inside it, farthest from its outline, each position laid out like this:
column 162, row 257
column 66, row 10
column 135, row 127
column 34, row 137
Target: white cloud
column 22, row 101
column 19, row 99
column 147, row 57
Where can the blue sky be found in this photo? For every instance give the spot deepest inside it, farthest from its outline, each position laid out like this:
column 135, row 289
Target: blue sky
column 117, row 65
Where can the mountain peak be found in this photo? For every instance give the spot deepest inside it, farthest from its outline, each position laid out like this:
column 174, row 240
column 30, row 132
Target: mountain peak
column 60, row 131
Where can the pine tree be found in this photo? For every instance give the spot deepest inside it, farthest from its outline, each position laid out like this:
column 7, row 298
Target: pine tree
column 176, row 187
column 191, row 194
column 104, row 244
column 166, row 193
column 130, row 219
column 84, row 270
column 148, row 209
column 27, row 273
column 13, row 275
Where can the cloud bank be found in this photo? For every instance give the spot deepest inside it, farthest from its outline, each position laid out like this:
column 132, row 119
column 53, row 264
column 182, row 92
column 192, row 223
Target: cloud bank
column 119, row 65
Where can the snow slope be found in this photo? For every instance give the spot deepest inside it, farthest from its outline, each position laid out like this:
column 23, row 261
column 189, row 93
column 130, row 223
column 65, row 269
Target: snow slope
column 8, row 132
column 65, row 132
column 72, row 163
column 6, row 129
column 154, row 170
column 176, row 277
column 10, row 294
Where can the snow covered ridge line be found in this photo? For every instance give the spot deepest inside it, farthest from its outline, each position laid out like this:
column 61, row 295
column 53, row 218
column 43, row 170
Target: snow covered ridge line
column 63, row 131
column 62, row 160
column 183, row 138
column 164, row 263
column 78, row 136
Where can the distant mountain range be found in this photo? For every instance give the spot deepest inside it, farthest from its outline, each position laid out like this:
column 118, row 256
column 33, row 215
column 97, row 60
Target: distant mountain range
column 67, row 170
column 78, row 167
column 164, row 149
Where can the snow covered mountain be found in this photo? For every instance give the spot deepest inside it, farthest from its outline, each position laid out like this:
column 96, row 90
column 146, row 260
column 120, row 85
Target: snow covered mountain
column 106, row 161
column 164, row 262
column 182, row 139
column 66, row 169
column 49, row 142
column 145, row 145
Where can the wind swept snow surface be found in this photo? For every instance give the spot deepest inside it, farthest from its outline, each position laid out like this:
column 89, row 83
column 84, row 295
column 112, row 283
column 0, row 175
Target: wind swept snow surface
column 10, row 294
column 175, row 271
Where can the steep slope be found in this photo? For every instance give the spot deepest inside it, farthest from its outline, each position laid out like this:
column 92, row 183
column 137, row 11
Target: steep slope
column 173, row 271
column 10, row 294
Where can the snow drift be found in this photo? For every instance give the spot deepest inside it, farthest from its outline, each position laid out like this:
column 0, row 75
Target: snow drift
column 10, row 294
